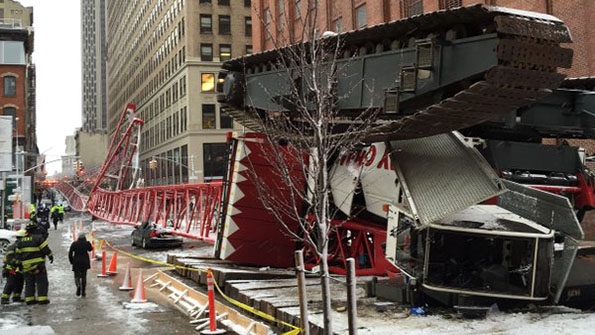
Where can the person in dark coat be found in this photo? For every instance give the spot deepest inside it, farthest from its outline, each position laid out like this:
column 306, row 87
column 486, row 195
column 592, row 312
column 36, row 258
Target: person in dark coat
column 78, row 255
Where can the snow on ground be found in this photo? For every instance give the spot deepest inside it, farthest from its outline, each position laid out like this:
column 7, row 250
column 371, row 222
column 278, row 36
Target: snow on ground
column 396, row 321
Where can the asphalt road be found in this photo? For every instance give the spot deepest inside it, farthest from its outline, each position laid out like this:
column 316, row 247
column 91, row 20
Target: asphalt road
column 105, row 310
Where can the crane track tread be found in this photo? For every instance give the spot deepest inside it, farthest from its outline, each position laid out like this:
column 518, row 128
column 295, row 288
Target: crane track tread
column 528, row 53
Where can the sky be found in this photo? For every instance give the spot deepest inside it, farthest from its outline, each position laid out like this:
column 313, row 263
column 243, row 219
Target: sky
column 57, row 57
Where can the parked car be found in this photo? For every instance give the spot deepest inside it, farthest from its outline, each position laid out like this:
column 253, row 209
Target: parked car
column 149, row 235
column 7, row 237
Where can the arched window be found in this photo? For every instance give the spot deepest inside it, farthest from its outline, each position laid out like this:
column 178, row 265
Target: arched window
column 10, row 111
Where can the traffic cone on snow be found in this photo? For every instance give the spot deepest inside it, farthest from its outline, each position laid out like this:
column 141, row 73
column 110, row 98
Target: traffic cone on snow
column 127, row 283
column 92, row 250
column 139, row 292
column 103, row 272
column 113, row 267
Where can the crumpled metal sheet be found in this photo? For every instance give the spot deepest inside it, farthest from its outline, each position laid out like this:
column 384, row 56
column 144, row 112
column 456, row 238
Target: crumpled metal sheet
column 547, row 209
column 440, row 175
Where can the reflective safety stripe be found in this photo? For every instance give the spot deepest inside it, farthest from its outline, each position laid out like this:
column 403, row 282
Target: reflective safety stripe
column 28, row 249
column 42, row 298
column 29, row 262
column 4, row 296
column 30, row 298
column 43, row 244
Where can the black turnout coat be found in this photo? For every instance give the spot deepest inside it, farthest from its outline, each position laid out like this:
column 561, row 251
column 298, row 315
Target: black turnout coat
column 78, row 254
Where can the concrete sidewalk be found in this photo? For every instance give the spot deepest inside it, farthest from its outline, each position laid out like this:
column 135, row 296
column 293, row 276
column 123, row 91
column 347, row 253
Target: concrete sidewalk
column 105, row 309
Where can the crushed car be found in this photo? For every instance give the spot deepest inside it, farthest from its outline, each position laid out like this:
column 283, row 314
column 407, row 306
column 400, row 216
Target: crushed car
column 150, row 235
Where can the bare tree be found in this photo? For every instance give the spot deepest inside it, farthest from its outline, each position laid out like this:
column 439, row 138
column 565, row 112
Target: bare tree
column 305, row 132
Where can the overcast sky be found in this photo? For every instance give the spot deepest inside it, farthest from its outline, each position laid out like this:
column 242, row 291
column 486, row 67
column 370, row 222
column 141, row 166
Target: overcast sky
column 57, row 59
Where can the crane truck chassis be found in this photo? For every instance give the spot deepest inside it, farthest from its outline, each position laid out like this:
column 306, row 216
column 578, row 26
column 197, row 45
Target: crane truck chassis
column 460, row 231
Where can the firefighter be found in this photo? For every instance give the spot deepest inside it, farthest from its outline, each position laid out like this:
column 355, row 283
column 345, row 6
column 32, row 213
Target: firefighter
column 61, row 212
column 55, row 214
column 11, row 271
column 43, row 216
column 31, row 251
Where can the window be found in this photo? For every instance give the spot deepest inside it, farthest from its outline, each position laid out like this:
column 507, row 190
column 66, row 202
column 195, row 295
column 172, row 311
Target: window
column 10, row 86
column 247, row 3
column 280, row 11
column 338, row 26
column 446, row 4
column 267, row 23
column 248, row 49
column 208, row 117
column 206, row 24
column 11, row 111
column 224, row 25
column 224, row 52
column 412, row 7
column 223, row 2
column 206, row 52
column 248, row 26
column 298, row 11
column 225, row 120
column 207, row 82
column 215, row 160
column 360, row 16
column 204, row 1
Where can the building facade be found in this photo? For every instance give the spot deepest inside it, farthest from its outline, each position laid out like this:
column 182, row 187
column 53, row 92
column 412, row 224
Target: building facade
column 280, row 22
column 167, row 65
column 17, row 95
column 93, row 62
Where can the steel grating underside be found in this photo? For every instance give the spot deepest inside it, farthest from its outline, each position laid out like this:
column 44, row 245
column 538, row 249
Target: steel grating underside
column 440, row 175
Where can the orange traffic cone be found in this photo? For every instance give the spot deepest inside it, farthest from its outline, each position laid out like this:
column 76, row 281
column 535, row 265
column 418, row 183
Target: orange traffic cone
column 92, row 250
column 113, row 267
column 127, row 283
column 139, row 292
column 103, row 273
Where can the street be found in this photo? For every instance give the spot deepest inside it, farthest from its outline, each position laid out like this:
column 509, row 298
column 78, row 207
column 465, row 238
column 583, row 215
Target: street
column 105, row 309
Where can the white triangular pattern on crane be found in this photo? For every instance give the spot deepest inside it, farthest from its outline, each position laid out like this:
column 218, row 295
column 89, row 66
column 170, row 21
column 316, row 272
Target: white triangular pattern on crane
column 238, row 178
column 230, row 227
column 235, row 194
column 239, row 167
column 232, row 210
column 242, row 151
column 226, row 249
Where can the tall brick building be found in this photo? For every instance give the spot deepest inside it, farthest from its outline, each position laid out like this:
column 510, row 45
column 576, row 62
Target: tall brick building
column 164, row 56
column 283, row 17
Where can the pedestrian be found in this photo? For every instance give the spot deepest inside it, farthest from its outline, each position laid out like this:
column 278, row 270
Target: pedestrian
column 11, row 271
column 31, row 251
column 55, row 214
column 78, row 255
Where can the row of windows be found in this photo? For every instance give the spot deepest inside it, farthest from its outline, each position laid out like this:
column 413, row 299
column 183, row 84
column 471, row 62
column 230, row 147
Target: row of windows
column 247, row 3
column 172, row 94
column 174, row 166
column 206, row 52
column 408, row 8
column 209, row 118
column 206, row 24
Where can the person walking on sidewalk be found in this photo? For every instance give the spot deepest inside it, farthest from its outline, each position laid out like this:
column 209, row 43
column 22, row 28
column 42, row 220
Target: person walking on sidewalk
column 31, row 251
column 10, row 271
column 78, row 255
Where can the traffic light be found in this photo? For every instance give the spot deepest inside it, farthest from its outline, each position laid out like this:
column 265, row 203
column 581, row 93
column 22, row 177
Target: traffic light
column 75, row 165
column 152, row 164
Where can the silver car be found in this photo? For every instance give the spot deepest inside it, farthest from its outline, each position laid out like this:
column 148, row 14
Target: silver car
column 7, row 237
